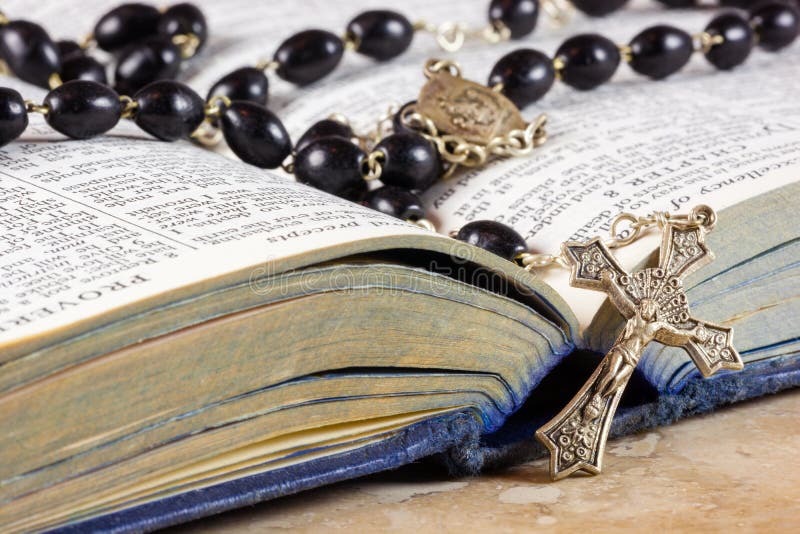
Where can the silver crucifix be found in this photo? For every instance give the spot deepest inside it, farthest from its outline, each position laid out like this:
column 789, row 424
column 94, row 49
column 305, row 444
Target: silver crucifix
column 654, row 303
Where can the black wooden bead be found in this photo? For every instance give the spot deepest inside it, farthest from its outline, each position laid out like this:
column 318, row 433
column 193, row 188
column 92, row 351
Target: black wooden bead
column 155, row 58
column 410, row 161
column 777, row 24
column 332, row 164
column 13, row 116
column 493, row 236
column 598, row 8
column 395, row 201
column 519, row 16
column 67, row 49
column 381, row 34
column 323, row 128
column 526, row 75
column 308, row 56
column 589, row 60
column 397, row 121
column 168, row 110
column 82, row 109
column 737, row 41
column 246, row 84
column 660, row 50
column 126, row 24
column 29, row 52
column 183, row 19
column 83, row 68
column 255, row 134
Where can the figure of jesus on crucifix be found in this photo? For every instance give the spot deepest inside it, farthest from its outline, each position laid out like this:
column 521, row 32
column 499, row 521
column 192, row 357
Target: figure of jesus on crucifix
column 654, row 303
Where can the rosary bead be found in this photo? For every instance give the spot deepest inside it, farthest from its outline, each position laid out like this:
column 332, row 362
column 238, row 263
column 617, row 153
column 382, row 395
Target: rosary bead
column 519, row 16
column 67, row 49
column 410, row 161
column 308, row 56
column 737, row 41
column 777, row 24
column 526, row 76
column 13, row 116
column 155, row 58
column 29, row 52
column 381, row 34
column 588, row 60
column 247, row 84
column 82, row 109
column 255, row 134
column 661, row 50
column 493, row 236
column 333, row 165
column 83, row 68
column 598, row 8
column 322, row 129
column 126, row 24
column 183, row 19
column 168, row 110
column 395, row 201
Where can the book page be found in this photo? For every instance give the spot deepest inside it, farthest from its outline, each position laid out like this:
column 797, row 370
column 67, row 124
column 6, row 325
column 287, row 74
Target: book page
column 631, row 145
column 90, row 225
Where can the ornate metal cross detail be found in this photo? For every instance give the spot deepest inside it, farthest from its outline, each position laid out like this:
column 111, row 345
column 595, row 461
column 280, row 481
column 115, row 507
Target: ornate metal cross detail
column 654, row 303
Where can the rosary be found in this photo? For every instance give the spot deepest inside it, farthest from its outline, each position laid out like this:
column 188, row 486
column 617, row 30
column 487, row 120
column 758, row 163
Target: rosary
column 453, row 123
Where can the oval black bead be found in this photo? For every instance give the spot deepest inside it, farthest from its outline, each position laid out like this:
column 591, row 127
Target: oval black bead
column 395, row 201
column 183, row 19
column 308, row 56
column 67, row 49
column 13, row 116
column 397, row 121
column 255, row 134
column 321, row 129
column 29, row 52
column 126, row 24
column 519, row 16
column 82, row 109
column 589, row 60
column 246, row 84
column 168, row 110
column 777, row 24
column 526, row 76
column 660, row 50
column 381, row 34
column 410, row 161
column 598, row 8
column 333, row 165
column 738, row 39
column 155, row 58
column 83, row 68
column 493, row 236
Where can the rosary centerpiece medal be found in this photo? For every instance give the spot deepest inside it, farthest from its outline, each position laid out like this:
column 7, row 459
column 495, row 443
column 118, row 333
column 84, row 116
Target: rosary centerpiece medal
column 469, row 122
column 654, row 303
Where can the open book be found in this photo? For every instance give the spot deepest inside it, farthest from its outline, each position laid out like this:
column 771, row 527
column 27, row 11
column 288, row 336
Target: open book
column 181, row 334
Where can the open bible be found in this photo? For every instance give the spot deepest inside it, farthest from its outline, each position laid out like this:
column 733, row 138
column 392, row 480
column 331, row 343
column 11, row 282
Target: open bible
column 182, row 334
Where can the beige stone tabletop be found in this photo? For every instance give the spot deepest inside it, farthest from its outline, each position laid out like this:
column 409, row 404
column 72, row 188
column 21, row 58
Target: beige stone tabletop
column 734, row 470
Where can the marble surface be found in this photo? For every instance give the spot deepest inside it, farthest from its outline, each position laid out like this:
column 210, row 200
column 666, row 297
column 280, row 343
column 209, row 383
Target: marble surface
column 731, row 470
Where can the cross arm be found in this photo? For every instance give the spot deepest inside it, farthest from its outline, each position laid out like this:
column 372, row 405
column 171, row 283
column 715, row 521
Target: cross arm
column 592, row 266
column 709, row 345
